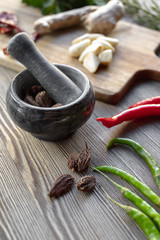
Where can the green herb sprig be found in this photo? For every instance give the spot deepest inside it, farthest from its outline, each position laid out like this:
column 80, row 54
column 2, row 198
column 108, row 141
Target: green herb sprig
column 143, row 14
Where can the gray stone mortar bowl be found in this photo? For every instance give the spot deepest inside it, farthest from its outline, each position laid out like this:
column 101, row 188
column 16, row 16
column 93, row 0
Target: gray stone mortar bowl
column 50, row 123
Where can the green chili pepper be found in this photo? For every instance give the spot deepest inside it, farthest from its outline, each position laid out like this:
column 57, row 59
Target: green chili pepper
column 143, row 188
column 149, row 159
column 140, row 218
column 136, row 200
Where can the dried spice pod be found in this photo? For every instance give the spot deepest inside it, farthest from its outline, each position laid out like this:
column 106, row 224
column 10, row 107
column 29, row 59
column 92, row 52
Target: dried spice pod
column 73, row 161
column 43, row 99
column 86, row 183
column 84, row 159
column 36, row 89
column 30, row 99
column 36, row 96
column 79, row 161
column 61, row 186
column 57, row 105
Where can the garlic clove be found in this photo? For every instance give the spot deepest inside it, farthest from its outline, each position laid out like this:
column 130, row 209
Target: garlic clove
column 94, row 48
column 105, row 57
column 76, row 49
column 91, row 36
column 112, row 41
column 91, row 62
column 106, row 45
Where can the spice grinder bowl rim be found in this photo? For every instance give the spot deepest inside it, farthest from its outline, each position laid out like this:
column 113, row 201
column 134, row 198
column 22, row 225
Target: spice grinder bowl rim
column 58, row 65
column 50, row 123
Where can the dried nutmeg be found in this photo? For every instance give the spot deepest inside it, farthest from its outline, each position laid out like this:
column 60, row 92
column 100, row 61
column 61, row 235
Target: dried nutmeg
column 61, row 186
column 79, row 161
column 43, row 99
column 86, row 183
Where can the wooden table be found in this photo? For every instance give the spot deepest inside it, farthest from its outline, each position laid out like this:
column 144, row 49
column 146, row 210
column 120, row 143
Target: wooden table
column 29, row 167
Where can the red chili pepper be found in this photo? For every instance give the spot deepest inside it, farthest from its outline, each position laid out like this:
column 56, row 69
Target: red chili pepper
column 130, row 114
column 8, row 22
column 153, row 100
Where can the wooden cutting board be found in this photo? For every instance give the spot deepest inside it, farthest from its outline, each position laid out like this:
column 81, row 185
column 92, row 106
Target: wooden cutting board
column 134, row 59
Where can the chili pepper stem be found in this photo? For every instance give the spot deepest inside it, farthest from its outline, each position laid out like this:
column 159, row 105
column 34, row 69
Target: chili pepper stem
column 117, row 203
column 114, row 183
column 143, row 188
column 136, row 200
column 140, row 218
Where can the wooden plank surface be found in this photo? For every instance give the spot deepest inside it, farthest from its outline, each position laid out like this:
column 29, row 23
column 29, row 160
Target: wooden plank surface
column 29, row 166
column 134, row 53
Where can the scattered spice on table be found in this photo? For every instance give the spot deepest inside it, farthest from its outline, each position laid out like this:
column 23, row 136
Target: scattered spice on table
column 86, row 183
column 79, row 161
column 61, row 186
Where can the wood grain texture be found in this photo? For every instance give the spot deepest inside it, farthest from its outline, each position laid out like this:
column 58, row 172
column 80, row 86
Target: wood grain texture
column 29, row 166
column 134, row 57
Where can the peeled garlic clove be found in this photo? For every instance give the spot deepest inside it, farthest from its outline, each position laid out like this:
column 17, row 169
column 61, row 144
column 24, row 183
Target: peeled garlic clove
column 106, row 45
column 91, row 62
column 94, row 48
column 76, row 49
column 87, row 36
column 112, row 41
column 105, row 57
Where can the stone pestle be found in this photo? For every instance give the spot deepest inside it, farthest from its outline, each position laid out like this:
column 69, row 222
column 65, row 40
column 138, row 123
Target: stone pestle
column 60, row 88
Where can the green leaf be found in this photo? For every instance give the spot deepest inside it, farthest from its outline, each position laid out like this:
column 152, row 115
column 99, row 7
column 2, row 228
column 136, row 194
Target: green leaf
column 49, row 7
column 34, row 3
